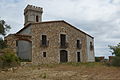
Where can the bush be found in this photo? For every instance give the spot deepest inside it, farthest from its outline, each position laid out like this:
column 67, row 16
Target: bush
column 2, row 44
column 8, row 59
column 115, row 61
column 97, row 59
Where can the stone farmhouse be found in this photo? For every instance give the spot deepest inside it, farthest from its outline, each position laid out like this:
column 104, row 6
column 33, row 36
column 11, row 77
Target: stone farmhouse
column 50, row 41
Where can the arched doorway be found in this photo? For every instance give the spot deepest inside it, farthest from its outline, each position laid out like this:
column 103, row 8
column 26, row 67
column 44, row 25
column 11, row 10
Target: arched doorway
column 24, row 49
column 63, row 56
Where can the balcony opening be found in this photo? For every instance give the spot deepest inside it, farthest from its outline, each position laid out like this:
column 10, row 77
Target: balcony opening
column 63, row 43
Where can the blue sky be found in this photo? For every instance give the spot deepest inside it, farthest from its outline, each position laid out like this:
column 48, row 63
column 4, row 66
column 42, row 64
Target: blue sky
column 99, row 18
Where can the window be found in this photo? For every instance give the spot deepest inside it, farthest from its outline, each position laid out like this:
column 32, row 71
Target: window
column 37, row 19
column 62, row 39
column 44, row 40
column 26, row 18
column 78, row 57
column 16, row 43
column 91, row 46
column 79, row 44
column 44, row 54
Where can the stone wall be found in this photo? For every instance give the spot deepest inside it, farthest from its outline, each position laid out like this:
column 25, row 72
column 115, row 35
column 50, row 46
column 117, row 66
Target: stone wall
column 90, row 53
column 53, row 31
column 11, row 41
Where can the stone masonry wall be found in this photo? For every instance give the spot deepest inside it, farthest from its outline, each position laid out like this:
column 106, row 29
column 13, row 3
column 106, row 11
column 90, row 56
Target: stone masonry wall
column 11, row 41
column 53, row 31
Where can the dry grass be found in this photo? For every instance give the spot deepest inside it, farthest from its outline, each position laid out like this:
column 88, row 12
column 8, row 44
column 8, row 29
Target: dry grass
column 66, row 71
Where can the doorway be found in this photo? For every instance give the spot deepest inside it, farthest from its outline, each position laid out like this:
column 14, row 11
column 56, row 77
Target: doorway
column 78, row 57
column 63, row 56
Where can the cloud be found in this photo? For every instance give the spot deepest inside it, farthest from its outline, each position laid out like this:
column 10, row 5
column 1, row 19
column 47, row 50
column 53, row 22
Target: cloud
column 100, row 18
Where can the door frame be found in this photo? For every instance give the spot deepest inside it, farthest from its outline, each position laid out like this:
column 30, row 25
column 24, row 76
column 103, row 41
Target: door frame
column 60, row 55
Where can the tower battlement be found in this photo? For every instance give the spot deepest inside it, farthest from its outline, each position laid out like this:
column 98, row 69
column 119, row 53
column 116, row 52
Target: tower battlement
column 34, row 8
column 32, row 14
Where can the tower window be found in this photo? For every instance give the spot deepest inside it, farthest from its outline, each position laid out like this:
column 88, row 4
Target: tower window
column 26, row 18
column 44, row 54
column 37, row 19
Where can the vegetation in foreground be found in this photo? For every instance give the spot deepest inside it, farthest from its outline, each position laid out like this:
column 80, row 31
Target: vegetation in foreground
column 115, row 51
column 8, row 58
column 63, row 71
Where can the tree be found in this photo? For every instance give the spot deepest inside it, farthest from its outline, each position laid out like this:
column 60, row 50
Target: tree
column 2, row 44
column 4, row 27
column 115, row 50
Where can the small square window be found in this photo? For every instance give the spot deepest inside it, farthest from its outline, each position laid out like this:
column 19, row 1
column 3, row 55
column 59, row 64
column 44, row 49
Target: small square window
column 44, row 54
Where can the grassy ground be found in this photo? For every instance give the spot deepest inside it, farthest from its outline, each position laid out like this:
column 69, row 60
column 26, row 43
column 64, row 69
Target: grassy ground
column 65, row 71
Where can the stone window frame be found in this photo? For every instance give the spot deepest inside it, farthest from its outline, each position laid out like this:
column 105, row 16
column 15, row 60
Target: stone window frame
column 44, row 54
column 46, row 37
column 36, row 18
column 91, row 46
column 66, row 37
column 64, row 34
column 80, row 42
column 68, row 52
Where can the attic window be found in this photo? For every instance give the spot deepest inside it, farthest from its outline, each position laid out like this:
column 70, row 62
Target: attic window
column 37, row 19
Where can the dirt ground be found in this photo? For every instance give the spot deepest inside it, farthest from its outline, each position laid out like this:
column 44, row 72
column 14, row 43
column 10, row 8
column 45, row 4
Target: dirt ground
column 62, row 72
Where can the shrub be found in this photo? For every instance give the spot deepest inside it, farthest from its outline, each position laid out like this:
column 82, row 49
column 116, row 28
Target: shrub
column 115, row 61
column 97, row 59
column 8, row 58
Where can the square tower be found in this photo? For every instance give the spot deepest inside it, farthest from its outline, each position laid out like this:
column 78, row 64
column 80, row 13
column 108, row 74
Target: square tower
column 32, row 14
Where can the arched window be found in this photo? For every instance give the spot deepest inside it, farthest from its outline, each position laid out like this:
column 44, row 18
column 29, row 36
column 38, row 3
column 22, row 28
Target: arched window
column 37, row 19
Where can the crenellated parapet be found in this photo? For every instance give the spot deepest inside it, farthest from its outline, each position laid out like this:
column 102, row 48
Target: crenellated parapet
column 34, row 8
column 32, row 14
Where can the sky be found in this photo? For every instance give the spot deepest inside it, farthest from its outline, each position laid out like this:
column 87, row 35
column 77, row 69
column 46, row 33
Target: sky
column 99, row 18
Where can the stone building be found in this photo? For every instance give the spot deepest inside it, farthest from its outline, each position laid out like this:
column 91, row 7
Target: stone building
column 50, row 41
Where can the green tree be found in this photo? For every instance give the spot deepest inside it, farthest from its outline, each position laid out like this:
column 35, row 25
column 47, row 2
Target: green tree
column 2, row 44
column 115, row 50
column 4, row 28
